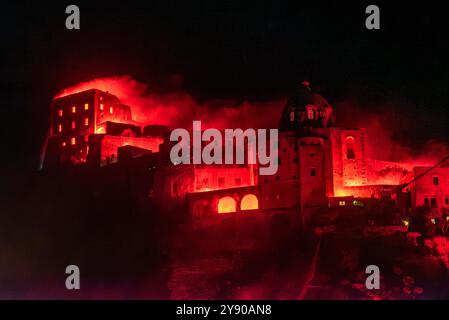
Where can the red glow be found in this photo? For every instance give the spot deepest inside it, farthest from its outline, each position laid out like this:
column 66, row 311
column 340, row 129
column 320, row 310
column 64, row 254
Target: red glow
column 100, row 130
column 249, row 202
column 226, row 205
column 178, row 109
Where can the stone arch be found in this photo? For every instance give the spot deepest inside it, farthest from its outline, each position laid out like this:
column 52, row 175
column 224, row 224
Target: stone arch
column 226, row 204
column 200, row 208
column 249, row 202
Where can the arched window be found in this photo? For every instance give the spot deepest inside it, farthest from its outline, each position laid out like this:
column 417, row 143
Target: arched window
column 226, row 204
column 249, row 202
column 310, row 114
column 200, row 208
column 350, row 154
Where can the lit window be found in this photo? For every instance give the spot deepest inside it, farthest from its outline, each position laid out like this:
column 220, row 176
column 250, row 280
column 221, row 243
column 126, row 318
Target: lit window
column 86, row 121
column 86, row 138
column 72, row 141
column 73, row 125
column 310, row 114
column 86, row 106
column 249, row 202
column 226, row 204
column 341, row 203
column 101, row 106
column 101, row 98
column 73, row 109
column 111, row 110
column 59, row 128
column 63, row 144
column 60, row 112
column 350, row 154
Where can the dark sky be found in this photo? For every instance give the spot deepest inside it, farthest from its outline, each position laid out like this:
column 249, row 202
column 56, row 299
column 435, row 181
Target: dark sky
column 257, row 51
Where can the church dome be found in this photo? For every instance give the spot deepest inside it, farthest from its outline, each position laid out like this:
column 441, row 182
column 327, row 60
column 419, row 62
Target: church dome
column 306, row 109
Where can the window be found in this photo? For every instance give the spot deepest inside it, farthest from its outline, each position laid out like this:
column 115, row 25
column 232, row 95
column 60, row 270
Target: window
column 341, row 203
column 86, row 106
column 86, row 121
column 86, row 138
column 226, row 204
column 72, row 141
column 435, row 181
column 446, row 200
column 73, row 125
column 295, row 160
column 221, row 182
column 64, row 144
column 426, row 202
column 59, row 127
column 111, row 110
column 60, row 112
column 294, row 177
column 292, row 116
column 313, row 172
column 350, row 154
column 249, row 202
column 310, row 114
column 101, row 106
column 238, row 182
column 433, row 202
column 73, row 109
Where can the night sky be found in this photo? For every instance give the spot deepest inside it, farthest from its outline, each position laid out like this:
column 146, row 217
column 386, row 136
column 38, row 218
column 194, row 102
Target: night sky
column 259, row 51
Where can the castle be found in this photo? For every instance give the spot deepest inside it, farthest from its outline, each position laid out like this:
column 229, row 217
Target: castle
column 320, row 164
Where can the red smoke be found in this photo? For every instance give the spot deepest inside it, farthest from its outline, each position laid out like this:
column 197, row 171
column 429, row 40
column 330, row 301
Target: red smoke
column 385, row 129
column 179, row 109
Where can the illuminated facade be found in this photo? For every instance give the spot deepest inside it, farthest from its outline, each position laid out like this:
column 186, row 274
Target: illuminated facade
column 431, row 189
column 320, row 164
column 90, row 126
